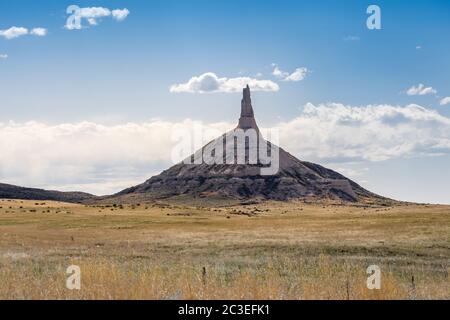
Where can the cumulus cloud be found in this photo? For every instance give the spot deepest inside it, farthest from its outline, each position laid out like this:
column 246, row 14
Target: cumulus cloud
column 120, row 14
column 445, row 101
column 336, row 132
column 86, row 156
column 15, row 32
column 92, row 15
column 40, row 32
column 3, row 56
column 104, row 159
column 210, row 83
column 298, row 75
column 420, row 90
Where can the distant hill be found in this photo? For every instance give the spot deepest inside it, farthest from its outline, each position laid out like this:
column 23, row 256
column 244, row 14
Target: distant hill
column 8, row 191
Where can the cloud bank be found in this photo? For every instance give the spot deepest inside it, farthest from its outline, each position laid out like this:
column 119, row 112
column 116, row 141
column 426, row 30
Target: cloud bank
column 336, row 132
column 210, row 83
column 107, row 158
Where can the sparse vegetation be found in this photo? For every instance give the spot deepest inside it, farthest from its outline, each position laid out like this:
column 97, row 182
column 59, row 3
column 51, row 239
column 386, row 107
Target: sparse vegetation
column 259, row 251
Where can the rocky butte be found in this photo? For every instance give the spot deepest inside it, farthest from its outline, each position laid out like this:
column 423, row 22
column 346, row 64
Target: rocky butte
column 232, row 168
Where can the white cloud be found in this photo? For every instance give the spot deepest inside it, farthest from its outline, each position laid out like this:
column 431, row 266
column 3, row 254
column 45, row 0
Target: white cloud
column 335, row 132
column 445, row 101
column 92, row 21
column 40, row 32
column 3, row 56
column 298, row 75
column 107, row 158
column 120, row 14
column 278, row 73
column 93, row 14
column 209, row 82
column 420, row 90
column 89, row 156
column 13, row 32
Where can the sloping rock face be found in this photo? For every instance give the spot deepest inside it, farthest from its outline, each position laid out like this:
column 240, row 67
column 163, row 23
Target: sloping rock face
column 224, row 175
column 298, row 180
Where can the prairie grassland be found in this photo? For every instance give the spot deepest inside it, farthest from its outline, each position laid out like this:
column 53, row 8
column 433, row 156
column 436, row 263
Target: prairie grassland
column 274, row 250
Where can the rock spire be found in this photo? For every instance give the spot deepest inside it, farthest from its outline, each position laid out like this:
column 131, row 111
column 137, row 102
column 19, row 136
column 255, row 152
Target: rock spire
column 247, row 119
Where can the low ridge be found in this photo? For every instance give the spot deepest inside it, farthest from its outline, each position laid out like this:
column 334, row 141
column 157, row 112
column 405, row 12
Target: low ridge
column 8, row 191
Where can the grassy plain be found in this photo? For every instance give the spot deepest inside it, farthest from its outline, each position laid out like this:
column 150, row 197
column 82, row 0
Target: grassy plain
column 271, row 250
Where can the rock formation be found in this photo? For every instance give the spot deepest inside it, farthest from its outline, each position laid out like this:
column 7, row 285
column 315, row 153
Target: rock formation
column 247, row 119
column 239, row 165
column 209, row 173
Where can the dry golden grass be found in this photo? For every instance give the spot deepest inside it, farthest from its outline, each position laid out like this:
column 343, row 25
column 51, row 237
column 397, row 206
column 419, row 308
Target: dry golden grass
column 263, row 251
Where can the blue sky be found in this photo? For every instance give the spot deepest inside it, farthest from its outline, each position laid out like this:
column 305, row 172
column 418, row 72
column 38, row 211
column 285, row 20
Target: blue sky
column 119, row 72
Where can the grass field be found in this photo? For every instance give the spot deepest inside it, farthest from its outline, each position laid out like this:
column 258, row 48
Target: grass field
column 281, row 250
